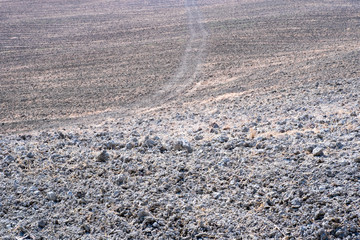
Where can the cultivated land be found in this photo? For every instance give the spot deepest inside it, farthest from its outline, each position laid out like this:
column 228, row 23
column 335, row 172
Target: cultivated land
column 180, row 119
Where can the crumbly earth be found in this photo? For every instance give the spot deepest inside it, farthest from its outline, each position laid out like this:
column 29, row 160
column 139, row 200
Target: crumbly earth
column 282, row 163
column 251, row 130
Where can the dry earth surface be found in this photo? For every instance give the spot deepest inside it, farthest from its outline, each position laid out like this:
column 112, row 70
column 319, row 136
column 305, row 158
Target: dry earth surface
column 180, row 119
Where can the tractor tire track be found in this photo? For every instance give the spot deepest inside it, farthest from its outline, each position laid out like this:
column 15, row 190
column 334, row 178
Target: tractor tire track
column 191, row 62
column 188, row 72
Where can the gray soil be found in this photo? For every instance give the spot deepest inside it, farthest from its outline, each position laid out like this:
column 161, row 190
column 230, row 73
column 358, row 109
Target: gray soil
column 265, row 147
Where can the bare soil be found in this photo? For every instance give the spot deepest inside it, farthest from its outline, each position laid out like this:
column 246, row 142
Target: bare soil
column 192, row 119
column 65, row 61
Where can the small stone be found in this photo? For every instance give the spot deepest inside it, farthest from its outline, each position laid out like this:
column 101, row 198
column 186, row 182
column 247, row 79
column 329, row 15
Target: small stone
column 248, row 144
column 353, row 114
column 61, row 135
column 296, row 152
column 86, row 228
column 42, row 224
column 230, row 146
column 149, row 143
column 183, row 145
column 310, row 148
column 103, row 157
column 223, row 139
column 260, row 145
column 283, row 122
column 25, row 137
column 19, row 148
column 9, row 159
column 357, row 159
column 111, row 145
column 225, row 162
column 129, row 146
column 135, row 134
column 162, row 148
column 149, row 220
column 215, row 130
column 135, row 141
column 318, row 151
column 296, row 203
column 322, row 235
column 270, row 203
column 51, row 196
column 177, row 190
column 80, row 194
column 142, row 214
column 340, row 233
column 55, row 157
column 121, row 180
column 245, row 129
column 30, row 155
column 198, row 137
column 319, row 215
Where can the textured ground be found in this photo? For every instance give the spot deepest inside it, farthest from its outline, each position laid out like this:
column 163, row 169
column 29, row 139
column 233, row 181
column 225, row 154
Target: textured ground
column 180, row 120
column 283, row 163
column 64, row 61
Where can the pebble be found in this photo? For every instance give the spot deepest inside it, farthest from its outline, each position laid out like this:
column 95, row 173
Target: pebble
column 296, row 203
column 183, row 145
column 318, row 151
column 199, row 137
column 319, row 215
column 111, row 145
column 121, row 180
column 103, row 156
column 51, row 196
column 142, row 214
column 86, row 228
column 42, row 224
column 223, row 139
column 225, row 162
column 129, row 146
column 149, row 143
column 9, row 159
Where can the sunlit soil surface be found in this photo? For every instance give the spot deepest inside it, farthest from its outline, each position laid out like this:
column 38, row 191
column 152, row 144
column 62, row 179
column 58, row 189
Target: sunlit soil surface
column 62, row 60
